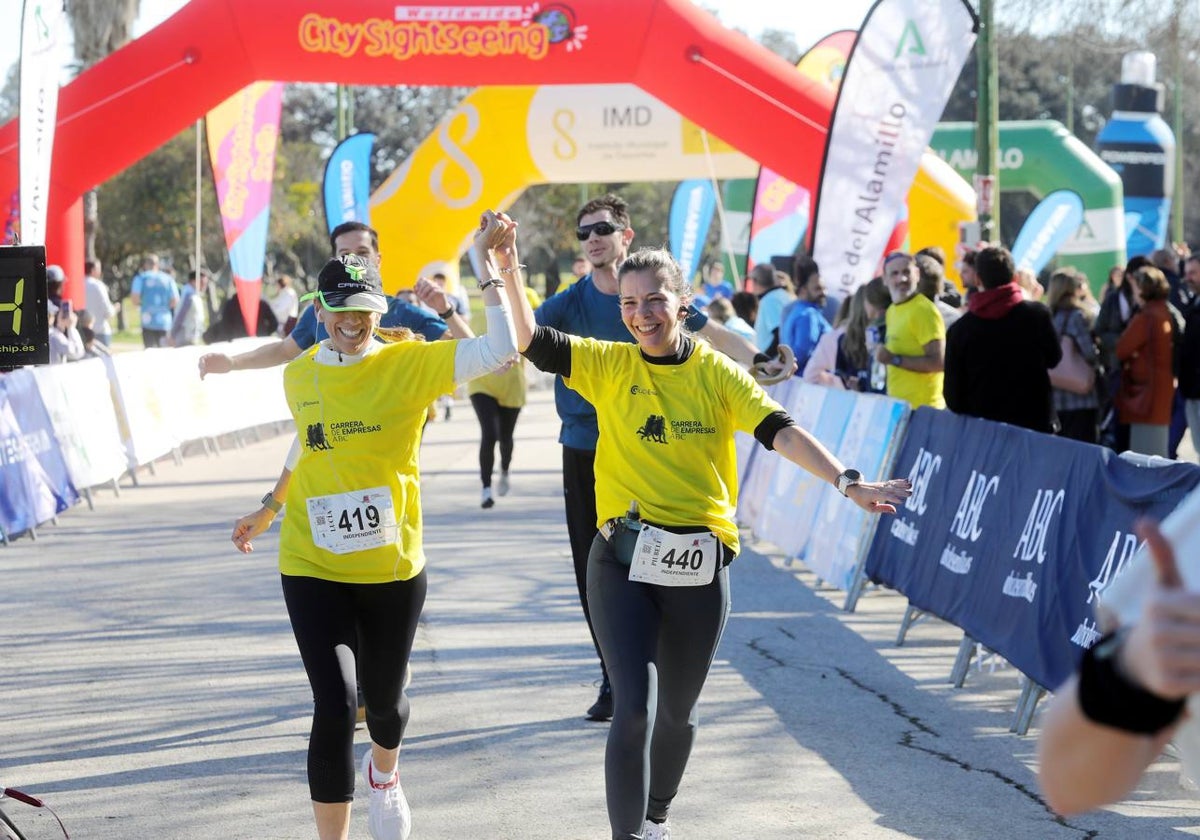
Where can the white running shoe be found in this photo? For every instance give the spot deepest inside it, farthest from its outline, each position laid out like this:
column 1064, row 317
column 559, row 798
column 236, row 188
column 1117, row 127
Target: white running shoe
column 502, row 485
column 656, row 831
column 388, row 816
column 485, row 498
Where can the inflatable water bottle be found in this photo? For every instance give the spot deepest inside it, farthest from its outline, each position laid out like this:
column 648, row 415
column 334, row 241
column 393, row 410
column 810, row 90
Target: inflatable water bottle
column 1140, row 146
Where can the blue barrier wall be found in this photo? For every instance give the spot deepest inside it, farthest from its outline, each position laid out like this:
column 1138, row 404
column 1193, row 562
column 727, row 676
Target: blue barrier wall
column 1010, row 534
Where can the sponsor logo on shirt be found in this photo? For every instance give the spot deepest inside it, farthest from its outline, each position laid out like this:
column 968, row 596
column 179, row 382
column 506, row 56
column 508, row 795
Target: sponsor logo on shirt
column 316, row 437
column 654, row 429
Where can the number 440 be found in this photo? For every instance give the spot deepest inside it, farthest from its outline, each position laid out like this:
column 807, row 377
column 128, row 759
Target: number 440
column 682, row 560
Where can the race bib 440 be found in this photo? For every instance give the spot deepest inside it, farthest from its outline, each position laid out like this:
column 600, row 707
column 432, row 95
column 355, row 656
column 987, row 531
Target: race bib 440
column 668, row 559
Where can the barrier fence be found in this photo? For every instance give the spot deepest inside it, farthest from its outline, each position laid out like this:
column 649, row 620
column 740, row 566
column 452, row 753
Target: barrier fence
column 1010, row 535
column 65, row 429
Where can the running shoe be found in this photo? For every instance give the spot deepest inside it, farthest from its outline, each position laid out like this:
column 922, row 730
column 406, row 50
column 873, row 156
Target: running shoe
column 388, row 816
column 656, row 831
column 485, row 498
column 602, row 709
column 502, row 485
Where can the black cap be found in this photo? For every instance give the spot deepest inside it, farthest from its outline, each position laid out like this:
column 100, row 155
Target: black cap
column 350, row 283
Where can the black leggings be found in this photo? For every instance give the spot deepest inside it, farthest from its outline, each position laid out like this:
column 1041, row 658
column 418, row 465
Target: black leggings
column 336, row 626
column 658, row 643
column 579, row 498
column 496, row 423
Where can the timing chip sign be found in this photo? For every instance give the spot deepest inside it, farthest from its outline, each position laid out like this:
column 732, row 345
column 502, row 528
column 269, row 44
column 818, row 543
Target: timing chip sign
column 24, row 322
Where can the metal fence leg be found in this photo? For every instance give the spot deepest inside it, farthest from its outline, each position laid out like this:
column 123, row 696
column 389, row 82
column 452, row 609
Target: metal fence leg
column 858, row 583
column 87, row 497
column 1033, row 693
column 962, row 662
column 911, row 614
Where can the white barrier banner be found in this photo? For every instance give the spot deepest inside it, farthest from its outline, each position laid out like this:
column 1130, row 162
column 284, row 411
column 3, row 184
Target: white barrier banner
column 41, row 32
column 146, row 429
column 897, row 80
column 758, row 468
column 791, row 503
column 79, row 399
column 842, row 530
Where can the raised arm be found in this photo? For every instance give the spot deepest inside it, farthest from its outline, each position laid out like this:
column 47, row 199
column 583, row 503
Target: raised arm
column 805, row 451
column 435, row 297
column 508, row 264
column 269, row 355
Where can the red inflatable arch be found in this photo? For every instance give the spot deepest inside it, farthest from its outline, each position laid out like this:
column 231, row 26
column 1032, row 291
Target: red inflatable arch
column 141, row 96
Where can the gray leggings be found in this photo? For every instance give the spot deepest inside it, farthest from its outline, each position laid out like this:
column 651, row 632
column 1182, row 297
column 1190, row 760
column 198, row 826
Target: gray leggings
column 658, row 643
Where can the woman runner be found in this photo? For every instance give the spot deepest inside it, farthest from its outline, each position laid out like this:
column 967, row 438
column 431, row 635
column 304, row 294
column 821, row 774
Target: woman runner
column 350, row 554
column 666, row 492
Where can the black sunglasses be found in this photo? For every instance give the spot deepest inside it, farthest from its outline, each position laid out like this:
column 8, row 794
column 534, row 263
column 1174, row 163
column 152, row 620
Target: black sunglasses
column 600, row 228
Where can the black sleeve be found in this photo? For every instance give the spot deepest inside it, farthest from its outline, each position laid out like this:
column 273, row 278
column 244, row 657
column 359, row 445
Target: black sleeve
column 953, row 386
column 1050, row 338
column 771, row 425
column 549, row 350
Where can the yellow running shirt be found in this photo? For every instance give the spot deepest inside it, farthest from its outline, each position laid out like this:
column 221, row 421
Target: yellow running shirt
column 360, row 429
column 508, row 388
column 910, row 326
column 666, row 432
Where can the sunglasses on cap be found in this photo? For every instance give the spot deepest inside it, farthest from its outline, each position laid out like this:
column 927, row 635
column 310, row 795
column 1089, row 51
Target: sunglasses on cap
column 599, row 228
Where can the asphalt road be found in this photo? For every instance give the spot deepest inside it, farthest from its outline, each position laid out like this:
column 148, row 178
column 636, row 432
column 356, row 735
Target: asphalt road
column 150, row 686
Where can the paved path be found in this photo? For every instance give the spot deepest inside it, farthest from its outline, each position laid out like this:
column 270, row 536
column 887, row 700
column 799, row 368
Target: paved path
column 150, row 686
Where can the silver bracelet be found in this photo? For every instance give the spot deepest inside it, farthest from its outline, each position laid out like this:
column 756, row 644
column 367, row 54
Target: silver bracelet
column 491, row 281
column 512, row 270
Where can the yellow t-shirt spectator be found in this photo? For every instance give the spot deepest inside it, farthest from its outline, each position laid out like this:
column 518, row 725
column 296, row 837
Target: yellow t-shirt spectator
column 910, row 326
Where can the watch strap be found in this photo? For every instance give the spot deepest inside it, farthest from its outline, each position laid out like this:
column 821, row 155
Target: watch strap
column 268, row 501
column 1109, row 698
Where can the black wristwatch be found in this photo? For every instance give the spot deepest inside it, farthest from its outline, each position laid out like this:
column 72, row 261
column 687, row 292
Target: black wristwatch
column 268, row 501
column 847, row 480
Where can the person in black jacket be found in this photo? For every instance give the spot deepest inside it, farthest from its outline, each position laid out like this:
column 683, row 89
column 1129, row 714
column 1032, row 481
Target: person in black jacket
column 999, row 353
column 1189, row 350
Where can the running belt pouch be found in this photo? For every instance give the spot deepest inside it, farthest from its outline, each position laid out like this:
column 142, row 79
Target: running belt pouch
column 624, row 539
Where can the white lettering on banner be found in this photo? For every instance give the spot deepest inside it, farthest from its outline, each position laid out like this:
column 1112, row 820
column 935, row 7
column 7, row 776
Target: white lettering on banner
column 967, row 160
column 905, row 531
column 956, row 560
column 1120, row 551
column 1016, row 587
column 691, row 227
column 1133, row 158
column 1086, row 634
column 1033, row 537
column 1042, row 240
column 16, row 449
column 966, row 519
column 922, row 472
column 346, row 182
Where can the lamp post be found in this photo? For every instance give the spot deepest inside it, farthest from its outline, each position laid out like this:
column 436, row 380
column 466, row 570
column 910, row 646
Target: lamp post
column 987, row 133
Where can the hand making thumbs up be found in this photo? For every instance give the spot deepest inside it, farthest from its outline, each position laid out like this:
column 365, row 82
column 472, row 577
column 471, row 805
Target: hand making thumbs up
column 1162, row 652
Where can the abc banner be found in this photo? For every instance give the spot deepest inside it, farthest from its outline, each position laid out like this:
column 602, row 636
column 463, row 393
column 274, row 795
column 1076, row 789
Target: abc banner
column 1014, row 535
column 907, row 58
column 242, row 132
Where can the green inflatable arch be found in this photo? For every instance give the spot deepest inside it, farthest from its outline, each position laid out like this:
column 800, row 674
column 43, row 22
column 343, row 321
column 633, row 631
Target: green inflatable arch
column 1041, row 156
